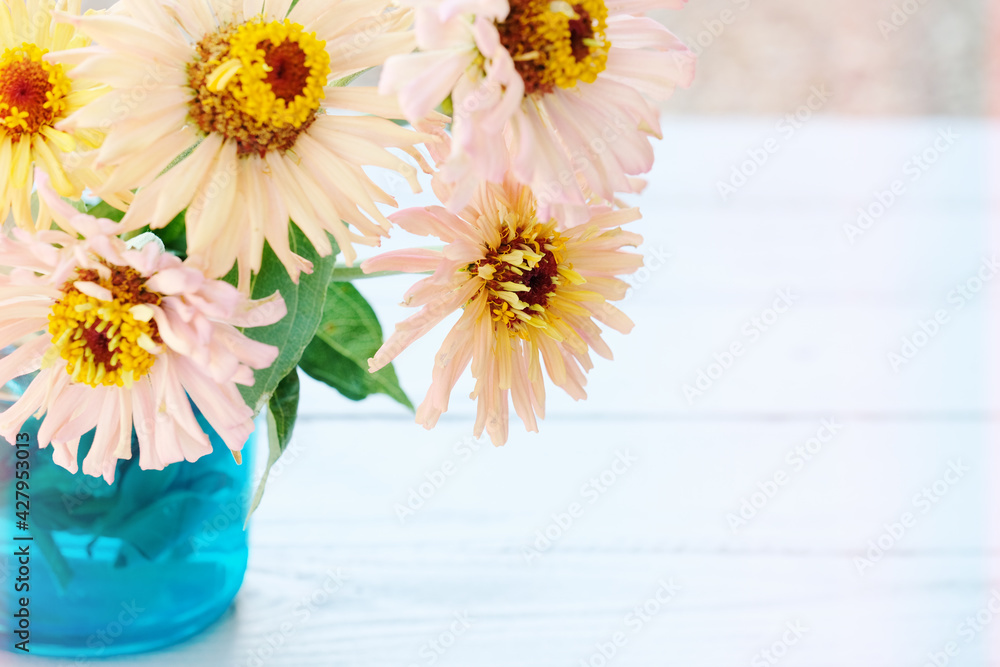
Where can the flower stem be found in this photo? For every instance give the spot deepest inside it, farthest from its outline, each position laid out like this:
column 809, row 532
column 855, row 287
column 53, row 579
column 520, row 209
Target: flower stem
column 345, row 274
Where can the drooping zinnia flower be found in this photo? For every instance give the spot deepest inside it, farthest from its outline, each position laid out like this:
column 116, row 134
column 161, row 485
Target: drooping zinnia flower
column 553, row 90
column 247, row 86
column 126, row 336
column 35, row 95
column 530, row 292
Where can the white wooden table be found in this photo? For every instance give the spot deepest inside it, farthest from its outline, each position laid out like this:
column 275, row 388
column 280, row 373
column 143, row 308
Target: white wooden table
column 466, row 581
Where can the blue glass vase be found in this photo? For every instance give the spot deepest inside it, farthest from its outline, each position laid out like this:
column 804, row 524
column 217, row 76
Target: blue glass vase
column 140, row 564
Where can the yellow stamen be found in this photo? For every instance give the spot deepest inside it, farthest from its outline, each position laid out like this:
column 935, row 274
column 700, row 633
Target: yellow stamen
column 141, row 312
column 223, row 74
column 556, row 43
column 102, row 342
column 523, row 270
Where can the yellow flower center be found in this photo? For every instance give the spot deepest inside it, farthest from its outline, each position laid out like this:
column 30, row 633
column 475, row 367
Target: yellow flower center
column 110, row 343
column 32, row 91
column 259, row 84
column 556, row 43
column 523, row 271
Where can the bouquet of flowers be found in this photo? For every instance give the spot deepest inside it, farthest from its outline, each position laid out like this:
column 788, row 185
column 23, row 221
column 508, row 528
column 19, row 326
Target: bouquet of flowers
column 184, row 174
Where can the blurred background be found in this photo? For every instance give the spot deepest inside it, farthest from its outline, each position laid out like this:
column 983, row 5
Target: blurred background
column 879, row 57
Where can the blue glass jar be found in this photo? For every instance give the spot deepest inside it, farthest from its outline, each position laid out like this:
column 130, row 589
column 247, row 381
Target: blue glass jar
column 137, row 565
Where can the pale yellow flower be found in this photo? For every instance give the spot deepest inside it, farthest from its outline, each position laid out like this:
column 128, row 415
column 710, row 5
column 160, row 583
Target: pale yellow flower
column 531, row 294
column 35, row 94
column 247, row 87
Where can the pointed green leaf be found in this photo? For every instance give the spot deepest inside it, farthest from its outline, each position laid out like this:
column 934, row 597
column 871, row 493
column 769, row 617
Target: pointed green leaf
column 282, row 410
column 293, row 332
column 347, row 338
column 103, row 209
column 174, row 235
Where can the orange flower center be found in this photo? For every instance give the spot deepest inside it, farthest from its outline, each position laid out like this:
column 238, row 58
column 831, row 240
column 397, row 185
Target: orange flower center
column 105, row 343
column 555, row 43
column 532, row 280
column 259, row 84
column 32, row 91
column 526, row 269
column 287, row 74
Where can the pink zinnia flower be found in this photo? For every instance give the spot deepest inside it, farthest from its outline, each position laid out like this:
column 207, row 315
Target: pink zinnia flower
column 247, row 88
column 127, row 335
column 529, row 290
column 554, row 91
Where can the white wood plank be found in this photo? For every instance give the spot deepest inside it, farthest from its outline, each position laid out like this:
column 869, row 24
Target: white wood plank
column 331, row 507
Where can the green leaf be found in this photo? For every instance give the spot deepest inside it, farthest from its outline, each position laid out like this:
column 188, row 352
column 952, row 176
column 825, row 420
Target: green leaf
column 153, row 528
column 293, row 332
column 103, row 209
column 174, row 235
column 282, row 410
column 348, row 336
column 137, row 489
column 53, row 556
column 447, row 107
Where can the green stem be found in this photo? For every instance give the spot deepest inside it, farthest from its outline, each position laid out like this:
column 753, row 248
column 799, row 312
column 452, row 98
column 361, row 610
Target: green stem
column 51, row 553
column 345, row 274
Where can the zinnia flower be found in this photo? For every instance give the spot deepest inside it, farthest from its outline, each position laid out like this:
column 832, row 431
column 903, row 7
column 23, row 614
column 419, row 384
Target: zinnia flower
column 552, row 90
column 247, row 86
column 529, row 290
column 35, row 95
column 127, row 336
